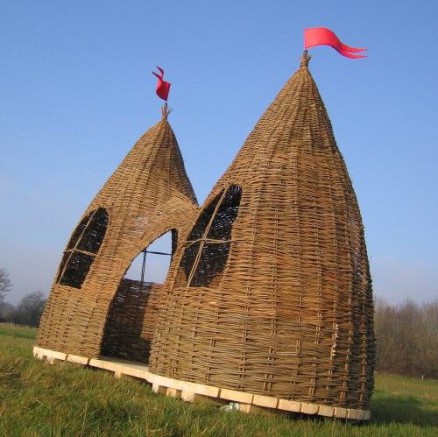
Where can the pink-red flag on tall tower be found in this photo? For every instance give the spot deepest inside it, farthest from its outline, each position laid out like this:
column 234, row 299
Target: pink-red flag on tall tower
column 321, row 36
column 163, row 87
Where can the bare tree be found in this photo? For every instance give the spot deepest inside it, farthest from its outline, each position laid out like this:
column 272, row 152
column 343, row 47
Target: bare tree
column 7, row 312
column 30, row 309
column 407, row 340
column 5, row 284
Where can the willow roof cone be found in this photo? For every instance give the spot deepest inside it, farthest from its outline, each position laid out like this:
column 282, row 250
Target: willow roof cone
column 148, row 195
column 272, row 295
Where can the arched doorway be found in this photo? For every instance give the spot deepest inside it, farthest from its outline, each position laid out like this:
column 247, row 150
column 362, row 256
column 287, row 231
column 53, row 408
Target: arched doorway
column 133, row 311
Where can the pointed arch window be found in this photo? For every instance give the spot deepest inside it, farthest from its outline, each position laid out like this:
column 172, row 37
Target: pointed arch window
column 82, row 248
column 209, row 242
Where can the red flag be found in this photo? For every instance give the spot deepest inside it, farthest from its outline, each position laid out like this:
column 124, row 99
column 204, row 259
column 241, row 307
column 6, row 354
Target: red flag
column 320, row 36
column 163, row 87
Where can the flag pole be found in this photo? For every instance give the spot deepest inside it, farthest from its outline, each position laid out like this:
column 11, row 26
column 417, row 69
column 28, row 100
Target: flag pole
column 165, row 111
column 305, row 58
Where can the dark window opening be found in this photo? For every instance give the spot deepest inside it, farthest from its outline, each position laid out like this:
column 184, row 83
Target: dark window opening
column 82, row 248
column 211, row 263
column 78, row 232
column 209, row 242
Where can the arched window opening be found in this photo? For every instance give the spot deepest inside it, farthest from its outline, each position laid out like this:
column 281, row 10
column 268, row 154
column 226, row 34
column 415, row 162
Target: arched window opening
column 82, row 248
column 152, row 264
column 209, row 242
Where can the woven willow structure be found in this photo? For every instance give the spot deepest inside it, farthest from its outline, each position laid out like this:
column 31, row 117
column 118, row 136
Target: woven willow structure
column 271, row 292
column 91, row 308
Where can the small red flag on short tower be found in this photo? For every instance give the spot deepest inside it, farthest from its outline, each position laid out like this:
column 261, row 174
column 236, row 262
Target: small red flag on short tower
column 163, row 87
column 320, row 36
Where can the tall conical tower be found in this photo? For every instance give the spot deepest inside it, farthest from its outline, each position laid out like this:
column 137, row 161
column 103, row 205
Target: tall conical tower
column 148, row 195
column 273, row 294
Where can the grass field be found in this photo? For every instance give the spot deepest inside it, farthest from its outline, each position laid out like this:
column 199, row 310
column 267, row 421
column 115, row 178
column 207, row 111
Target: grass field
column 38, row 399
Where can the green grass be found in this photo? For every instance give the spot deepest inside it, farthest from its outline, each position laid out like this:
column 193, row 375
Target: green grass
column 39, row 399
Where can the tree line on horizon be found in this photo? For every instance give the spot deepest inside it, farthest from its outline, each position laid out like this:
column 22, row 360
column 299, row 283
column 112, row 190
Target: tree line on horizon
column 406, row 334
column 29, row 310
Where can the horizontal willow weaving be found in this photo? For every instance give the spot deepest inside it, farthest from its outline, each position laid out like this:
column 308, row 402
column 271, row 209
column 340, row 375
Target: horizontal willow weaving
column 147, row 196
column 131, row 321
column 271, row 292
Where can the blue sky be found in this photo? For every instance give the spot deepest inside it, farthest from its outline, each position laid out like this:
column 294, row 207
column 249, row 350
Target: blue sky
column 76, row 92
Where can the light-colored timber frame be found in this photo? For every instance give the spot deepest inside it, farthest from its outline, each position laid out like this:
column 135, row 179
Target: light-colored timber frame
column 192, row 392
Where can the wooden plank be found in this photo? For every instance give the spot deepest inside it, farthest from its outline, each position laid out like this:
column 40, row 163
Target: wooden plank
column 246, row 408
column 156, row 388
column 156, row 379
column 209, row 400
column 200, row 389
column 48, row 354
column 205, row 390
column 136, row 373
column 308, row 408
column 256, row 409
column 287, row 405
column 77, row 359
column 326, row 411
column 124, row 368
column 340, row 412
column 37, row 352
column 352, row 414
column 237, row 396
column 173, row 392
column 188, row 396
column 265, row 401
column 103, row 364
column 360, row 414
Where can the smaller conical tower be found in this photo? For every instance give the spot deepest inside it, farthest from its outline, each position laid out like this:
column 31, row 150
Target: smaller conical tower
column 148, row 195
column 272, row 297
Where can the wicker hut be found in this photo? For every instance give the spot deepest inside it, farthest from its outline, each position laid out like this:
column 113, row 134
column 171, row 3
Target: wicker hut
column 91, row 309
column 272, row 293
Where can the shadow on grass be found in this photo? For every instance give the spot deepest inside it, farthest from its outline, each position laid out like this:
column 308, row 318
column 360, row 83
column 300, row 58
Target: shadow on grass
column 386, row 408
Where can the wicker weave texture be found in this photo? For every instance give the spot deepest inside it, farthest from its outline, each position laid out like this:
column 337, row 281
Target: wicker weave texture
column 271, row 293
column 131, row 321
column 148, row 195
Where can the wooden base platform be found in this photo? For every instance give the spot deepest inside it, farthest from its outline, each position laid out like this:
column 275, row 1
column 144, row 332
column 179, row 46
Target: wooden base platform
column 189, row 391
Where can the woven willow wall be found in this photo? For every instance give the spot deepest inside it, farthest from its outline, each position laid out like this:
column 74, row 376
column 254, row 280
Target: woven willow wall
column 272, row 294
column 148, row 195
column 131, row 321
